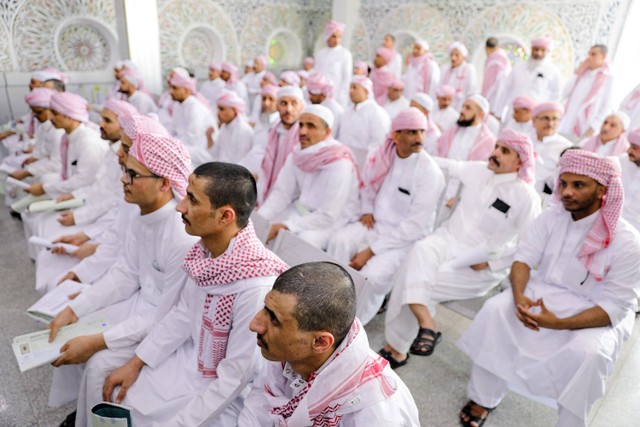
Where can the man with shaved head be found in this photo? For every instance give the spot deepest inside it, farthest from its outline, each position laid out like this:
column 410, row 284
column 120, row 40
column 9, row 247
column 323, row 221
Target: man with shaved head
column 611, row 140
column 320, row 369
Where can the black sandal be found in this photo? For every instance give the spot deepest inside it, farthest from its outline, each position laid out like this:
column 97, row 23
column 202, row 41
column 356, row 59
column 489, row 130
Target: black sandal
column 393, row 362
column 473, row 418
column 425, row 343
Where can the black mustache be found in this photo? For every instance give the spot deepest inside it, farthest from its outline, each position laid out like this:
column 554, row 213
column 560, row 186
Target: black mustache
column 494, row 160
column 185, row 219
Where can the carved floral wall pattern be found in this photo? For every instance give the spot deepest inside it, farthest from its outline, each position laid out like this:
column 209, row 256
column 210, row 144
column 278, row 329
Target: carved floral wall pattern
column 70, row 35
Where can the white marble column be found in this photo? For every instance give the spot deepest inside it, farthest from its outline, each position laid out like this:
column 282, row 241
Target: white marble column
column 346, row 12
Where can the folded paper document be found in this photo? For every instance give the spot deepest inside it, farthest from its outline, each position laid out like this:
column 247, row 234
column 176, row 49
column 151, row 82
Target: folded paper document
column 39, row 241
column 17, row 183
column 34, row 349
column 51, row 205
column 55, row 301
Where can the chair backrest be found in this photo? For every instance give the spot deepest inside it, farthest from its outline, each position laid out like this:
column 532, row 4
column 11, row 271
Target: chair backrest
column 261, row 225
column 294, row 251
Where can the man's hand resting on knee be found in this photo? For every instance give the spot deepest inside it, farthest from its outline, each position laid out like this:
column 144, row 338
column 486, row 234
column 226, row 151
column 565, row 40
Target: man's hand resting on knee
column 123, row 377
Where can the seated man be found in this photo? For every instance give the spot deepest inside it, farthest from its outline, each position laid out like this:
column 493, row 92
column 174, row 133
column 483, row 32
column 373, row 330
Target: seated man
column 424, row 103
column 233, row 140
column 630, row 165
column 365, row 124
column 194, row 365
column 149, row 265
column 521, row 118
column 267, row 118
column 402, row 188
column 548, row 144
column 45, row 157
column 611, row 141
column 212, row 87
column 395, row 101
column 321, row 371
column 191, row 116
column 469, row 254
column 320, row 88
column 282, row 138
column 131, row 85
column 317, row 189
column 445, row 115
column 559, row 332
column 92, row 224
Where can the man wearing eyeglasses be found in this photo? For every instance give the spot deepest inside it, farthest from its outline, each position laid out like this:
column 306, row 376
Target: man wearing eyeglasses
column 148, row 267
column 548, row 144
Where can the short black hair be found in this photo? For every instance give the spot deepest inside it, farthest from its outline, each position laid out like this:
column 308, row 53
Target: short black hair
column 325, row 294
column 491, row 42
column 603, row 48
column 58, row 85
column 230, row 184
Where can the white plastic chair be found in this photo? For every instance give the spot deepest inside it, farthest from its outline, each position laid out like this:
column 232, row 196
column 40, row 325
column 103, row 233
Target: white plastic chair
column 261, row 226
column 295, row 251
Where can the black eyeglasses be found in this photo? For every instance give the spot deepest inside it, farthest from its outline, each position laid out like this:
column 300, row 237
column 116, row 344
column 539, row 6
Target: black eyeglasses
column 130, row 174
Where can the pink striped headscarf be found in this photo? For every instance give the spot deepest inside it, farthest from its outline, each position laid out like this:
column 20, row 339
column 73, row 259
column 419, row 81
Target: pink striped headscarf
column 319, row 83
column 386, row 54
column 362, row 66
column 231, row 99
column 521, row 143
column 541, row 42
column 132, row 77
column 620, row 145
column 525, row 102
column 233, row 72
column 271, row 90
column 606, row 171
column 271, row 78
column 262, row 59
column 50, row 73
column 179, row 80
column 586, row 108
column 379, row 164
column 331, row 28
column 39, row 97
column 71, row 105
column 120, row 108
column 290, row 78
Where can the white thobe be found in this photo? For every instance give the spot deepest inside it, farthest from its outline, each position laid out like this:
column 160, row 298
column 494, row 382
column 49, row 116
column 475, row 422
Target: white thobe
column 393, row 108
column 445, row 118
column 631, row 105
column 190, row 122
column 241, row 90
column 601, row 107
column 461, row 145
column 143, row 102
column 338, row 112
column 364, row 125
column 46, row 150
column 398, row 410
column 211, row 89
column 568, row 366
column 254, row 85
column 540, row 80
column 337, row 63
column 413, row 186
column 263, row 121
column 494, row 209
column 413, row 80
column 85, row 159
column 109, row 231
column 631, row 182
column 396, row 65
column 233, row 141
column 463, row 78
column 169, row 390
column 149, row 266
column 525, row 128
column 166, row 105
column 253, row 159
column 314, row 204
column 548, row 150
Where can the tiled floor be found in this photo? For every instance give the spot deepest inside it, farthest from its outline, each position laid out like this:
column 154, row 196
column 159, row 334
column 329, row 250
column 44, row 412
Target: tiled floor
column 438, row 382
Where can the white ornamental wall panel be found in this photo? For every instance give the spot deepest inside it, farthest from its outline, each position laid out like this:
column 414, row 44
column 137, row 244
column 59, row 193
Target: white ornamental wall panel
column 75, row 35
column 193, row 33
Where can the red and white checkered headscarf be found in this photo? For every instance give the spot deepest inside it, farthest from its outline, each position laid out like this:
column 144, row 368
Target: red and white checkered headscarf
column 318, row 83
column 135, row 125
column 606, row 171
column 245, row 259
column 178, row 80
column 521, row 143
column 163, row 155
